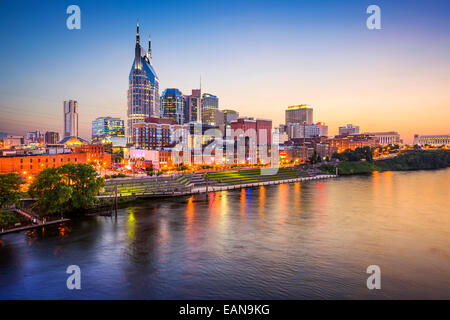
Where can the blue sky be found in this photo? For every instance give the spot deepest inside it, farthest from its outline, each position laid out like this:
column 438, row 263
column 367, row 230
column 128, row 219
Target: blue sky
column 257, row 56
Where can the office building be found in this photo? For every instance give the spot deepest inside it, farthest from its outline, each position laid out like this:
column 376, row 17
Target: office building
column 229, row 116
column 143, row 88
column 193, row 107
column 297, row 130
column 348, row 130
column 156, row 133
column 209, row 102
column 172, row 105
column 51, row 137
column 262, row 128
column 302, row 114
column 70, row 118
column 104, row 129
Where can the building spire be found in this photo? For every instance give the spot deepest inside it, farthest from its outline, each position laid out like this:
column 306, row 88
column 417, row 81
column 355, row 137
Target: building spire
column 149, row 53
column 137, row 32
column 137, row 50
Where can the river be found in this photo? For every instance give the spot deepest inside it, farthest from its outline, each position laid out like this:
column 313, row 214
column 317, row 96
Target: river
column 305, row 240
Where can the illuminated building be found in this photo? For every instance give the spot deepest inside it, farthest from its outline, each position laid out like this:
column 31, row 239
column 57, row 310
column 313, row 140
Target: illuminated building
column 296, row 154
column 70, row 118
column 172, row 105
column 385, row 138
column 302, row 114
column 143, row 88
column 35, row 137
column 193, row 107
column 31, row 163
column 230, row 116
column 297, row 130
column 214, row 117
column 51, row 137
column 432, row 140
column 13, row 141
column 348, row 130
column 352, row 142
column 155, row 133
column 261, row 128
column 105, row 129
column 209, row 102
column 155, row 159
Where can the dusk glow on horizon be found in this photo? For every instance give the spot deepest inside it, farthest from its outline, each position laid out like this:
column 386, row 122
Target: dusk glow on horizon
column 258, row 57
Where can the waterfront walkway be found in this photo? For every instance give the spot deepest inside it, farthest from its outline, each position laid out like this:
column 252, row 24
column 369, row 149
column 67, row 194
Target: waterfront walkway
column 133, row 190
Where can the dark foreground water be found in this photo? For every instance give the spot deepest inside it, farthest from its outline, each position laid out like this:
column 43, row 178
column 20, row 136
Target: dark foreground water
column 294, row 241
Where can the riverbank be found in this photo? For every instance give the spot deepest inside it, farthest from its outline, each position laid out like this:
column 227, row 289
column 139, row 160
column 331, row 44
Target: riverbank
column 405, row 161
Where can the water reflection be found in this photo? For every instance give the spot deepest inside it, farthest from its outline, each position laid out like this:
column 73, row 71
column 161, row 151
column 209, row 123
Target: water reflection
column 302, row 240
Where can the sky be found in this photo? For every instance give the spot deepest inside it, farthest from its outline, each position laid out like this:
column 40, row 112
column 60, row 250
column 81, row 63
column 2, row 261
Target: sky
column 258, row 57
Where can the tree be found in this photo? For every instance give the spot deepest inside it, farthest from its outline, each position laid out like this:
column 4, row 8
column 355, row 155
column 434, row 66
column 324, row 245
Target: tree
column 66, row 188
column 10, row 188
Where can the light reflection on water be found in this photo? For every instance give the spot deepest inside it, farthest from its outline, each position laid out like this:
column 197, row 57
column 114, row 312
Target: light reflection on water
column 302, row 240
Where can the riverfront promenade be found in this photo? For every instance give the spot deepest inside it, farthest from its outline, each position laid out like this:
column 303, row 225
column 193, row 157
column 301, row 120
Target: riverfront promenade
column 151, row 187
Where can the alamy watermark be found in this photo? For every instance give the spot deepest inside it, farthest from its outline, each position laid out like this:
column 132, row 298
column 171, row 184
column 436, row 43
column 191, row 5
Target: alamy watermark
column 374, row 20
column 74, row 280
column 374, row 281
column 74, row 20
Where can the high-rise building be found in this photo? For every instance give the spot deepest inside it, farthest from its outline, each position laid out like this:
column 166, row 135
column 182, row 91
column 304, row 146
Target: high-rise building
column 298, row 130
column 214, row 117
column 209, row 102
column 51, row 137
column 143, row 87
column 348, row 130
column 299, row 114
column 229, row 116
column 106, row 128
column 261, row 127
column 172, row 105
column 155, row 133
column 193, row 107
column 70, row 118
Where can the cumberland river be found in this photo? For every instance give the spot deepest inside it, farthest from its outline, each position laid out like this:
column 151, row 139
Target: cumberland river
column 311, row 239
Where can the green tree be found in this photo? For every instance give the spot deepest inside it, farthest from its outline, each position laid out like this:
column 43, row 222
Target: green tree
column 10, row 188
column 66, row 188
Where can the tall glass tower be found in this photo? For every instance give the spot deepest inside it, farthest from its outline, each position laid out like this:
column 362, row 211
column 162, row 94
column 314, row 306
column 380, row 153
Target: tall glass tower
column 143, row 88
column 172, row 105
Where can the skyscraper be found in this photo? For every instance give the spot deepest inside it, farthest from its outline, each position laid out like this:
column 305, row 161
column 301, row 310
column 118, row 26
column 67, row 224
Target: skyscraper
column 172, row 105
column 143, row 89
column 299, row 114
column 70, row 118
column 51, row 137
column 209, row 102
column 193, row 106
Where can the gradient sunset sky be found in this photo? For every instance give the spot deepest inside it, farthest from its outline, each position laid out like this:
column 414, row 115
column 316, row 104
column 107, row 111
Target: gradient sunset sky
column 258, row 56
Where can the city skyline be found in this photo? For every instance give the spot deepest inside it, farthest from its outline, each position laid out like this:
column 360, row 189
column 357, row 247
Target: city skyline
column 347, row 73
